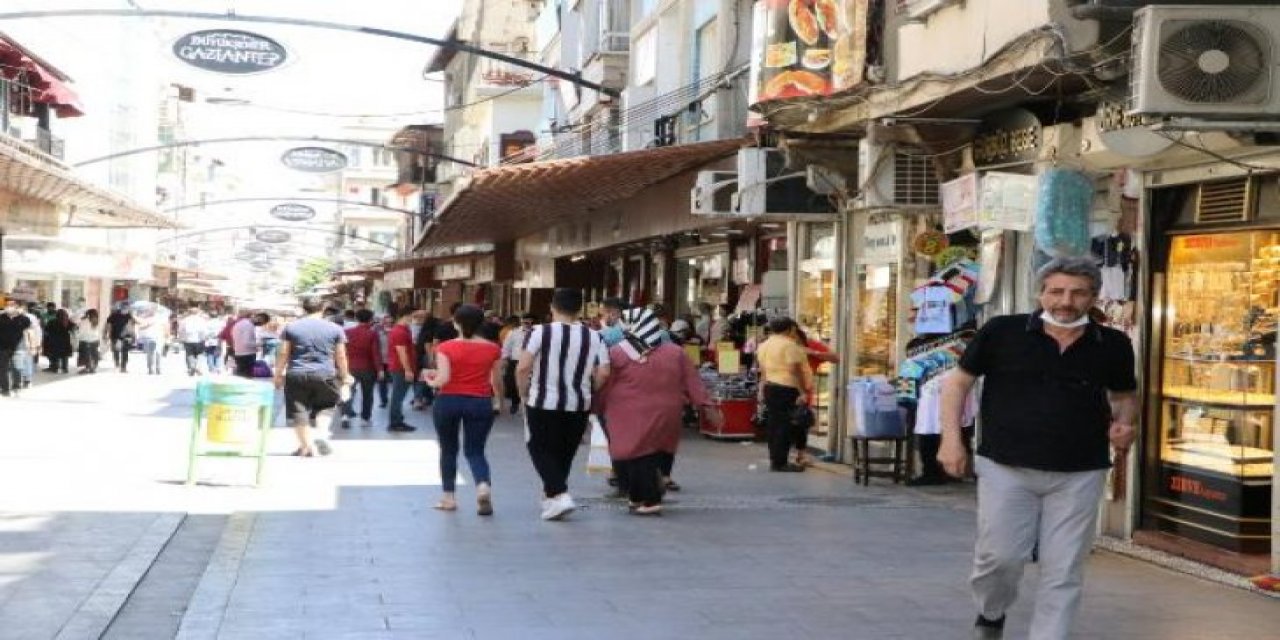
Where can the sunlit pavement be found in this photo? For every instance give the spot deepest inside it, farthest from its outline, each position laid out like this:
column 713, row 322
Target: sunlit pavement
column 98, row 535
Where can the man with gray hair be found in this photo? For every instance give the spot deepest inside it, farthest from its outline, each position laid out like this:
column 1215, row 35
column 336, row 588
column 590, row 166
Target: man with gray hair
column 1057, row 390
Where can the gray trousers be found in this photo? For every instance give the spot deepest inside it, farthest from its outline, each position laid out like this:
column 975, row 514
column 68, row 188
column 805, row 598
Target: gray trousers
column 1019, row 508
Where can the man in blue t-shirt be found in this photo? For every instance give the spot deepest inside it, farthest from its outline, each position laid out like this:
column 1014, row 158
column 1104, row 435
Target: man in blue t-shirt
column 311, row 368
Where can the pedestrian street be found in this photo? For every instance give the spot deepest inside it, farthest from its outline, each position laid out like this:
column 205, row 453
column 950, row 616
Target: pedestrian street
column 100, row 538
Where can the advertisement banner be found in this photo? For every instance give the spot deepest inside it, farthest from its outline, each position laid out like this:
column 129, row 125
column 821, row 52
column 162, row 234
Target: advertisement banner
column 808, row 47
column 1007, row 201
column 960, row 203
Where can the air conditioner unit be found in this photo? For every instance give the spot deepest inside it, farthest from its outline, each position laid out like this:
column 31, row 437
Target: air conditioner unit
column 712, row 194
column 767, row 187
column 822, row 180
column 893, row 177
column 1218, row 62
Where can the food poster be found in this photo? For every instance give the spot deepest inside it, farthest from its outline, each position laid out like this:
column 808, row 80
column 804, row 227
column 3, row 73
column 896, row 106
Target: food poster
column 811, row 47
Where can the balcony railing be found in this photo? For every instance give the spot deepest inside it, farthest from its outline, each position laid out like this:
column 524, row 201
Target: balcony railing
column 31, row 149
column 615, row 42
column 48, row 143
column 496, row 73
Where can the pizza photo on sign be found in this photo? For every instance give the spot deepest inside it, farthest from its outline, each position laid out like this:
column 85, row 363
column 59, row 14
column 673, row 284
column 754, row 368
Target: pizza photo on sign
column 804, row 22
column 795, row 84
column 828, row 15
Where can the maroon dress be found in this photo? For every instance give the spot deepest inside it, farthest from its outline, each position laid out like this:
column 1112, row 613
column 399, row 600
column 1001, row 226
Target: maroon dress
column 643, row 401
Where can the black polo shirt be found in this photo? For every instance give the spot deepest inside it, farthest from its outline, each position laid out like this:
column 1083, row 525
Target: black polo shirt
column 1045, row 409
column 11, row 330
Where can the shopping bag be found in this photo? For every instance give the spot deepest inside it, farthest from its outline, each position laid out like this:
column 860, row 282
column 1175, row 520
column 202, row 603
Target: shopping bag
column 598, row 460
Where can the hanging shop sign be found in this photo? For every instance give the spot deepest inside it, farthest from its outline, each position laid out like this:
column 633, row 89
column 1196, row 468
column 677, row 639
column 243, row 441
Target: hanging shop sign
column 1007, row 201
column 1128, row 135
column 256, row 247
column 960, row 203
column 314, row 159
column 230, row 52
column 273, row 236
column 293, row 212
column 881, row 242
column 808, row 47
column 1005, row 137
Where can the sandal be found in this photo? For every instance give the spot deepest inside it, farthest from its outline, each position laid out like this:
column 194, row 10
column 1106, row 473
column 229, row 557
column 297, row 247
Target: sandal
column 446, row 505
column 303, row 453
column 651, row 510
column 484, row 504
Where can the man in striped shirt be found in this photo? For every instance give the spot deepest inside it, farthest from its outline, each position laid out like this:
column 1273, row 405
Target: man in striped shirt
column 563, row 362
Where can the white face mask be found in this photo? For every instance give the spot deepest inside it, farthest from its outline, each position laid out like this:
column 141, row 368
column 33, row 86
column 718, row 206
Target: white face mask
column 1054, row 322
column 12, row 311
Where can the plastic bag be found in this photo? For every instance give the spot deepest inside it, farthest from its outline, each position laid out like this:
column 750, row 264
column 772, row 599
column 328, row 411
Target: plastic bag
column 598, row 460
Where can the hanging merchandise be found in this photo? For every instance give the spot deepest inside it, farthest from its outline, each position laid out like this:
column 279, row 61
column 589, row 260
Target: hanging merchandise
column 1062, row 212
column 1006, row 201
column 928, row 359
column 945, row 301
column 1115, row 255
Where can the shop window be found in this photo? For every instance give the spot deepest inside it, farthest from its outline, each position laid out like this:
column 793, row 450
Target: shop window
column 877, row 321
column 1215, row 415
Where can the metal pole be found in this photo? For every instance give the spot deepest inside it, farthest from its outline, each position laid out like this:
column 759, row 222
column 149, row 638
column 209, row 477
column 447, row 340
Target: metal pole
column 195, row 143
column 231, row 16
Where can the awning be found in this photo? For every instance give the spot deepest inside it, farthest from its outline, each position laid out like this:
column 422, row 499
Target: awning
column 28, row 172
column 48, row 84
column 505, row 203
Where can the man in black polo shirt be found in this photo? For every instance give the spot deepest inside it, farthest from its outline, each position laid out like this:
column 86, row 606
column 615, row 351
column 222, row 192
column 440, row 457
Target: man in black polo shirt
column 1057, row 390
column 15, row 329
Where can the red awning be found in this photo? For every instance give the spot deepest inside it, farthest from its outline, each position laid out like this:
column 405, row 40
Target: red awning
column 48, row 85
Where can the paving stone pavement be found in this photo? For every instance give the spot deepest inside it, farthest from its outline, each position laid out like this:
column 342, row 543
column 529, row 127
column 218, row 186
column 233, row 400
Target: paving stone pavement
column 348, row 546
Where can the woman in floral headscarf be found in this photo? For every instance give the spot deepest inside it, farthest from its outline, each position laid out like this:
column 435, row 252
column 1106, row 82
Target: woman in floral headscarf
column 649, row 384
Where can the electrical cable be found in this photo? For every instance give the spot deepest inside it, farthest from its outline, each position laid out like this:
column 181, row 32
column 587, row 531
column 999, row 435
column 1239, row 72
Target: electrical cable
column 1251, row 168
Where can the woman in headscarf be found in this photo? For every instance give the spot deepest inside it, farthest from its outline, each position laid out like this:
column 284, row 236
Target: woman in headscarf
column 649, row 384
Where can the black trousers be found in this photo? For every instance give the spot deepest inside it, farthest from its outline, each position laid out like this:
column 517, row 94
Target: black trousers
column 642, row 478
column 244, row 365
column 120, row 352
column 364, row 381
column 9, row 377
column 779, row 402
column 553, row 440
column 509, row 381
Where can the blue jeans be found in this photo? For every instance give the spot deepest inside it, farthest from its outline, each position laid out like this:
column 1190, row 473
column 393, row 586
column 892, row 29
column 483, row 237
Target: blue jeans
column 399, row 389
column 475, row 416
column 155, row 354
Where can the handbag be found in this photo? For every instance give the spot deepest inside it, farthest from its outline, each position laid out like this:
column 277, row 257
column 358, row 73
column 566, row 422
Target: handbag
column 802, row 417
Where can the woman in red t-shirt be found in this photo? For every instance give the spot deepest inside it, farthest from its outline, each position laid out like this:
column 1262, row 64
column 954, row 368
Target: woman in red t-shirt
column 468, row 375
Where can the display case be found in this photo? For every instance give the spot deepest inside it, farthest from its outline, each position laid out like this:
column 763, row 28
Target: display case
column 1216, row 413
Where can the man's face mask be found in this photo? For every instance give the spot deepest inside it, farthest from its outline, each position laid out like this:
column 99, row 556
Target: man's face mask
column 12, row 310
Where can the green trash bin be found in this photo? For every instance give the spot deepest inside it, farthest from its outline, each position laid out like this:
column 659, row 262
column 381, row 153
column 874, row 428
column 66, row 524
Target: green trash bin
column 231, row 420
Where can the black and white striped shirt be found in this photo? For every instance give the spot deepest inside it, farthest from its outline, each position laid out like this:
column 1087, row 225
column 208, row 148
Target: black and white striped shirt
column 565, row 357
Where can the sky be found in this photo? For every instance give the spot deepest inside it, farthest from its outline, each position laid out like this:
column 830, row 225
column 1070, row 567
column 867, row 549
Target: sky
column 329, row 71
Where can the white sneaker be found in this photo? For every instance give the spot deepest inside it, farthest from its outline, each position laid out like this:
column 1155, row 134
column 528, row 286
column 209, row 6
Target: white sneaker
column 559, row 507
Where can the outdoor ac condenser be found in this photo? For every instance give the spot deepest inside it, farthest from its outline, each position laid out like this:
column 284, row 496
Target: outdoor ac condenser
column 1218, row 62
column 712, row 194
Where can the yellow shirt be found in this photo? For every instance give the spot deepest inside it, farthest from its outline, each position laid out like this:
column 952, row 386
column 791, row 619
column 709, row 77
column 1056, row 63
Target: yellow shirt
column 783, row 361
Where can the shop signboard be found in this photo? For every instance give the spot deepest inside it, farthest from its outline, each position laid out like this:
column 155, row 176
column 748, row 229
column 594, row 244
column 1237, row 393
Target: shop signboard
column 808, row 47
column 231, row 52
column 453, row 271
column 273, row 236
column 881, row 242
column 1007, row 201
column 960, row 203
column 402, row 279
column 1008, row 137
column 314, row 159
column 293, row 212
